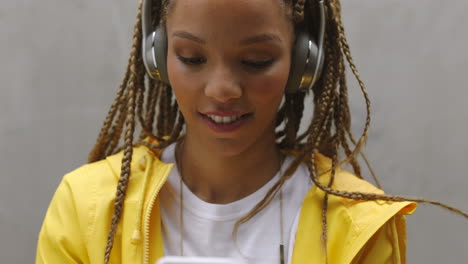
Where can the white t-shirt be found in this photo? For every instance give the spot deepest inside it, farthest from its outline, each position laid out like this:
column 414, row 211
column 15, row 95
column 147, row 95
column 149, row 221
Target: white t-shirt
column 208, row 227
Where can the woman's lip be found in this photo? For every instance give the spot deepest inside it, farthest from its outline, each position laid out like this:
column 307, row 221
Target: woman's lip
column 226, row 127
column 230, row 113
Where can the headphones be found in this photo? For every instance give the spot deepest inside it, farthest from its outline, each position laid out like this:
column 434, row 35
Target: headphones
column 306, row 61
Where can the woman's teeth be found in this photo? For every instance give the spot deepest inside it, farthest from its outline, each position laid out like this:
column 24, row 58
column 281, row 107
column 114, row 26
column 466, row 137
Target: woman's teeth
column 224, row 119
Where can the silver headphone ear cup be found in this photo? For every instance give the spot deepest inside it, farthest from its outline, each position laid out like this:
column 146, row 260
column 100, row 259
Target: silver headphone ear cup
column 303, row 63
column 148, row 57
column 308, row 57
column 160, row 53
column 154, row 55
column 310, row 76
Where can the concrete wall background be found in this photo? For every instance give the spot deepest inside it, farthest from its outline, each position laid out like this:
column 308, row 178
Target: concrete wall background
column 62, row 61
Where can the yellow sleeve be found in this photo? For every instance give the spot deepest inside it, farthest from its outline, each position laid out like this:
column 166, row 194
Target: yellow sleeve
column 61, row 239
column 387, row 245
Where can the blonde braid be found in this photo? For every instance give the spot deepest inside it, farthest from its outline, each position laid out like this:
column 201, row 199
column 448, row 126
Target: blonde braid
column 161, row 113
column 151, row 106
column 117, row 128
column 130, row 127
column 99, row 148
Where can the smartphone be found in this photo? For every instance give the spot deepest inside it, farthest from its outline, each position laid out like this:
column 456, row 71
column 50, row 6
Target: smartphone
column 195, row 260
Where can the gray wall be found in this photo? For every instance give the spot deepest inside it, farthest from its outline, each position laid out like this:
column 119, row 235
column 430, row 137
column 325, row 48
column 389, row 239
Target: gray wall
column 61, row 63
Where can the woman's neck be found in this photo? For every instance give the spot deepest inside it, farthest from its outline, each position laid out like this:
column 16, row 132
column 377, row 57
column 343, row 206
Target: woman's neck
column 220, row 179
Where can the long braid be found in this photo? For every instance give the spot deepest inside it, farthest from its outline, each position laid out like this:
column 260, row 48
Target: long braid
column 146, row 125
column 130, row 127
column 124, row 177
column 294, row 106
column 343, row 43
column 149, row 109
column 161, row 119
column 168, row 125
column 152, row 103
column 117, row 128
column 140, row 97
column 373, row 196
column 344, row 120
column 98, row 150
column 343, row 117
column 335, row 145
column 155, row 88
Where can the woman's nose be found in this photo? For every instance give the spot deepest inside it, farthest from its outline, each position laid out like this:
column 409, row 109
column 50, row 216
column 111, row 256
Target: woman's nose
column 223, row 86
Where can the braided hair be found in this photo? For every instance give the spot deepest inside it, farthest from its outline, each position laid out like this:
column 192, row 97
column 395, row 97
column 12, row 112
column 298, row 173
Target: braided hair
column 151, row 105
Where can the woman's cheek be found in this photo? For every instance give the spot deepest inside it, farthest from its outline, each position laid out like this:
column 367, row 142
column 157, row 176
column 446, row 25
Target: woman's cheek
column 180, row 88
column 184, row 81
column 271, row 85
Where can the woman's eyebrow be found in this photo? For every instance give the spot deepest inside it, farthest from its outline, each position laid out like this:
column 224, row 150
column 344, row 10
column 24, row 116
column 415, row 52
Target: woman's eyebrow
column 189, row 36
column 260, row 38
column 247, row 41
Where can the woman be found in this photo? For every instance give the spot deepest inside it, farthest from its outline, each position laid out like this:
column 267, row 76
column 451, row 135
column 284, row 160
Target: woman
column 240, row 181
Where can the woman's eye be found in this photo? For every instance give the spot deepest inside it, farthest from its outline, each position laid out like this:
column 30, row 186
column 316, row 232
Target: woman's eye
column 192, row 60
column 257, row 64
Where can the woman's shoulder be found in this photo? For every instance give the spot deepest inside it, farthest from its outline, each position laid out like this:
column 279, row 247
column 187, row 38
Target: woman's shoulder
column 346, row 181
column 362, row 214
column 78, row 216
column 95, row 183
column 353, row 224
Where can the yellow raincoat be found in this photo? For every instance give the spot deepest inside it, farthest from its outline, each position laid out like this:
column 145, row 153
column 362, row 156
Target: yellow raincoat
column 77, row 222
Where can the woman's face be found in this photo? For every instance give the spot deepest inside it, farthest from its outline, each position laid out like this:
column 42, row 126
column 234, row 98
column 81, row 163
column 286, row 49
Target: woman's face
column 228, row 64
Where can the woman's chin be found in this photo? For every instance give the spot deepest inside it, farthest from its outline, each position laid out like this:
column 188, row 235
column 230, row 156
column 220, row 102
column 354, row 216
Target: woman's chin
column 228, row 147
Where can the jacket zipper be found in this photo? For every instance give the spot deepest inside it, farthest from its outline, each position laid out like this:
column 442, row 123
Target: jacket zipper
column 146, row 230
